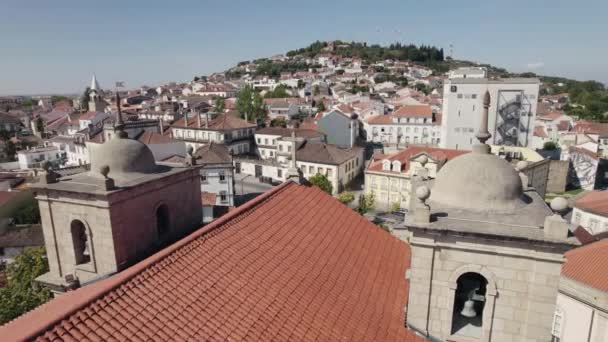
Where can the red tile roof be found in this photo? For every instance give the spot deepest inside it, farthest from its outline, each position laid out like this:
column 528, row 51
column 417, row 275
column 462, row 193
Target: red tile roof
column 539, row 131
column 147, row 137
column 437, row 154
column 220, row 122
column 587, row 265
column 292, row 264
column 414, row 111
column 594, row 201
column 590, row 127
column 551, row 116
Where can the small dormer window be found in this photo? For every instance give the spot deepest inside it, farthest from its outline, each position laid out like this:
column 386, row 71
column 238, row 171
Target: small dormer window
column 386, row 165
column 396, row 166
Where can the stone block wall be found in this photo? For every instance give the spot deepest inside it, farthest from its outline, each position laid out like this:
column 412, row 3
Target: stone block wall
column 133, row 215
column 525, row 282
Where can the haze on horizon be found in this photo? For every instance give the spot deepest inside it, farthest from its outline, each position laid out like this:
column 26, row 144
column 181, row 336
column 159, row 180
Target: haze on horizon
column 55, row 47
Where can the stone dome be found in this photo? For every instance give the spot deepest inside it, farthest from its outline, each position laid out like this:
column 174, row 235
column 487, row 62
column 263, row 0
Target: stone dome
column 479, row 182
column 124, row 156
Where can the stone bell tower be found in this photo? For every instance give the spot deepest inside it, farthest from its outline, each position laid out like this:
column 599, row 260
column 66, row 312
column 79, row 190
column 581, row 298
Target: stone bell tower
column 486, row 252
column 127, row 207
column 96, row 102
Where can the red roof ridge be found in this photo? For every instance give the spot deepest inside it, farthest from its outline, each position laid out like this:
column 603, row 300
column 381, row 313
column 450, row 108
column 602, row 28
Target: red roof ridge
column 22, row 328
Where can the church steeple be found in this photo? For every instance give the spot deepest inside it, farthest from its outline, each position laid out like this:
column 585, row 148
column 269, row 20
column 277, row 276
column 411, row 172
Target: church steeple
column 96, row 102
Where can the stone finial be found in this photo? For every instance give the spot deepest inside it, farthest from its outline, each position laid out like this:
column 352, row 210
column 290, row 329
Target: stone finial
column 555, row 226
column 522, row 164
column 483, row 134
column 422, row 211
column 107, row 183
column 559, row 205
column 49, row 176
column 190, row 159
column 119, row 127
column 423, row 193
column 423, row 159
column 104, row 170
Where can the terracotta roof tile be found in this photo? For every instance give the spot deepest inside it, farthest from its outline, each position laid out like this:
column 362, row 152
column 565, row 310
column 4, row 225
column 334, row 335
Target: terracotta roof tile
column 208, row 198
column 414, row 111
column 219, row 122
column 323, row 153
column 587, row 265
column 594, row 201
column 404, row 156
column 292, row 264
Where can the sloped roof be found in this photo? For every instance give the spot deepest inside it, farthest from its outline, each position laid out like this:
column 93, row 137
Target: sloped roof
column 323, row 153
column 212, row 154
column 292, row 264
column 404, row 156
column 219, row 122
column 147, row 137
column 286, row 132
column 539, row 131
column 587, row 265
column 414, row 111
column 594, row 201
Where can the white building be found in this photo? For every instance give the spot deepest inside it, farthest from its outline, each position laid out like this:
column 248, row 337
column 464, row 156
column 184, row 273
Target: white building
column 198, row 130
column 217, row 180
column 591, row 212
column 512, row 110
column 34, row 157
column 408, row 124
column 389, row 177
column 339, row 165
column 581, row 313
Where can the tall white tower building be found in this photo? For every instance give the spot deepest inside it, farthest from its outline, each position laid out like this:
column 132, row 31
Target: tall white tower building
column 511, row 115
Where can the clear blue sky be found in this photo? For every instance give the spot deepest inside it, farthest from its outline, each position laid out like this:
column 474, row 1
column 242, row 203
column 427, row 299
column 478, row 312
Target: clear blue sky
column 54, row 46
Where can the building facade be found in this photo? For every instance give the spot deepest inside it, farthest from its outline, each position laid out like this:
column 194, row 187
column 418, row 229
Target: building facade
column 127, row 207
column 511, row 117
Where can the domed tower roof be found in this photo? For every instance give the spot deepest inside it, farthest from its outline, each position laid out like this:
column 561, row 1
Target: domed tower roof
column 124, row 156
column 479, row 181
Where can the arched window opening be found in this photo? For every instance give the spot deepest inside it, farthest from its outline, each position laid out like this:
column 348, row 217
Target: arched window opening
column 162, row 220
column 469, row 301
column 81, row 242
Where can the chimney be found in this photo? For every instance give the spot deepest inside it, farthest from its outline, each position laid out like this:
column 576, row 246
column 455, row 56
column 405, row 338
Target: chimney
column 198, row 119
column 434, row 117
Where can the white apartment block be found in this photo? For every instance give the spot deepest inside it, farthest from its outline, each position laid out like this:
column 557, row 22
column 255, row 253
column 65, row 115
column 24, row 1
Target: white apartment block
column 415, row 124
column 34, row 157
column 512, row 110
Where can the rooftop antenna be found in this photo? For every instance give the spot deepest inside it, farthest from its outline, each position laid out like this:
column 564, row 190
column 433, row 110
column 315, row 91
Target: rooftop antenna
column 451, row 51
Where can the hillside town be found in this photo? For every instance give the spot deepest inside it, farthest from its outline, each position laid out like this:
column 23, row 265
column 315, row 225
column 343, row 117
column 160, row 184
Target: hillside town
column 336, row 192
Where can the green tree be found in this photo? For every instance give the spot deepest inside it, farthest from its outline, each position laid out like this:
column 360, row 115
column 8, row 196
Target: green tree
column 366, row 203
column 346, row 197
column 219, row 104
column 321, row 106
column 250, row 104
column 28, row 214
column 322, row 182
column 40, row 125
column 86, row 97
column 316, row 90
column 301, row 84
column 10, row 150
column 57, row 98
column 20, row 295
column 395, row 206
column 278, row 122
column 549, row 146
column 279, row 91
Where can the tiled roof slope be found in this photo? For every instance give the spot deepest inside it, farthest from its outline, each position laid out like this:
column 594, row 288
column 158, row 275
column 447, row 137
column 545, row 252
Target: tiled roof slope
column 220, row 122
column 438, row 154
column 595, row 202
column 292, row 265
column 587, row 265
